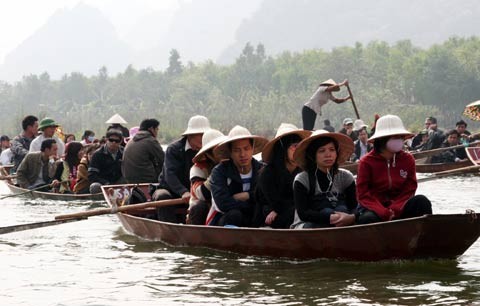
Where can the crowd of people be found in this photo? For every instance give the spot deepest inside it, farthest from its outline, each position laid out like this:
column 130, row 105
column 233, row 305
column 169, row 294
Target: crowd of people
column 296, row 182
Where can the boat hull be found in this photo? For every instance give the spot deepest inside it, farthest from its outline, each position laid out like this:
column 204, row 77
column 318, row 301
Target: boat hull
column 54, row 196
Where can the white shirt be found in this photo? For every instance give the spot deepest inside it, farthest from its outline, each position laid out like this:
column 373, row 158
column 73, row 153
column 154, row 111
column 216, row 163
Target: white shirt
column 37, row 144
column 246, row 180
column 6, row 157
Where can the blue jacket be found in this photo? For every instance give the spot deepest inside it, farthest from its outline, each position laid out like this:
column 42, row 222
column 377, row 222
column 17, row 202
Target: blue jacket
column 226, row 181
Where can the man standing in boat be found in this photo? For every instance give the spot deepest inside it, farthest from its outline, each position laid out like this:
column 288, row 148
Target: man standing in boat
column 21, row 143
column 38, row 168
column 174, row 180
column 322, row 95
column 48, row 127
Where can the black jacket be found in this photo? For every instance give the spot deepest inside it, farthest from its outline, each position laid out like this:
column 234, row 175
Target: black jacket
column 175, row 175
column 103, row 168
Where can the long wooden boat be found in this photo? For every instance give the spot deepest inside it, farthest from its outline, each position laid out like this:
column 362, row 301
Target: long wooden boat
column 429, row 236
column 53, row 196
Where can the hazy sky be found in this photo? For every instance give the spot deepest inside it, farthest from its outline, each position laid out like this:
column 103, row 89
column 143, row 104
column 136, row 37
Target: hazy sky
column 20, row 18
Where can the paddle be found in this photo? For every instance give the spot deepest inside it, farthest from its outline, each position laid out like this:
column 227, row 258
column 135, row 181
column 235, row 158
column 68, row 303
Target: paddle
column 24, row 227
column 114, row 210
column 464, row 170
column 353, row 101
column 422, row 154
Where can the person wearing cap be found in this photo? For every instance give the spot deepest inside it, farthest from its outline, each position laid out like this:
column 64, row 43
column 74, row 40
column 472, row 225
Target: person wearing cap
column 21, row 143
column 361, row 145
column 274, row 194
column 116, row 122
column 324, row 194
column 234, row 179
column 143, row 156
column 105, row 168
column 386, row 179
column 6, row 154
column 88, row 137
column 322, row 95
column 348, row 129
column 200, row 190
column 174, row 180
column 132, row 132
column 38, row 168
column 48, row 127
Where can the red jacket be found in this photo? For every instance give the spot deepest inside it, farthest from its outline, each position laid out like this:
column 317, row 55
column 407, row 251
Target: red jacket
column 386, row 184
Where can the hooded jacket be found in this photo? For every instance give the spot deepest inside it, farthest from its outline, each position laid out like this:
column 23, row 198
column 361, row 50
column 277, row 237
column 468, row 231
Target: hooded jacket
column 386, row 184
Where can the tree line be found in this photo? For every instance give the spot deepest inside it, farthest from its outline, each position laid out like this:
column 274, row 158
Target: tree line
column 259, row 91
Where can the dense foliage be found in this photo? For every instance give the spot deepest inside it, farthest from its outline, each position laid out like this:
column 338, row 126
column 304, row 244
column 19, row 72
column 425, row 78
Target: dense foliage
column 259, row 91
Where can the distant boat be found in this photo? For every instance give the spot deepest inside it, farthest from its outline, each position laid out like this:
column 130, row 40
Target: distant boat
column 429, row 236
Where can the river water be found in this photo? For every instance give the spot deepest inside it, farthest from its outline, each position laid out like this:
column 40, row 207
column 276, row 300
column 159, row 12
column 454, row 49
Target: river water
column 95, row 262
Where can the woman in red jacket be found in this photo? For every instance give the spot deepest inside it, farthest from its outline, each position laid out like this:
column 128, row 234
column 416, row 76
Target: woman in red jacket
column 386, row 179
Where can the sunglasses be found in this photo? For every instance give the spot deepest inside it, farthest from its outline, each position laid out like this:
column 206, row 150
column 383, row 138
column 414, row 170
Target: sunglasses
column 114, row 140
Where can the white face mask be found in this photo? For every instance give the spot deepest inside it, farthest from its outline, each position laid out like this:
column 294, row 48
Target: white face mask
column 91, row 138
column 395, row 145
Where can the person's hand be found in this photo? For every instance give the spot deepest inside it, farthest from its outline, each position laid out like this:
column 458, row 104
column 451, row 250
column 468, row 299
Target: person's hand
column 242, row 196
column 342, row 219
column 345, row 82
column 186, row 196
column 55, row 183
column 271, row 217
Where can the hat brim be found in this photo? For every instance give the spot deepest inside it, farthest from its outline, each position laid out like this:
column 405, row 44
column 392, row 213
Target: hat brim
column 268, row 149
column 45, row 126
column 194, row 131
column 209, row 146
column 404, row 133
column 345, row 148
column 222, row 152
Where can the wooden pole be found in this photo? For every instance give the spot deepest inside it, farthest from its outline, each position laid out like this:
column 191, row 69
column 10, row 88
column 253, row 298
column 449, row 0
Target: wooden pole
column 353, row 102
column 464, row 170
column 24, row 227
column 422, row 154
column 105, row 211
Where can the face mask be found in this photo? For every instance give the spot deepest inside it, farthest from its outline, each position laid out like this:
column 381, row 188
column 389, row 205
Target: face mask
column 91, row 138
column 395, row 145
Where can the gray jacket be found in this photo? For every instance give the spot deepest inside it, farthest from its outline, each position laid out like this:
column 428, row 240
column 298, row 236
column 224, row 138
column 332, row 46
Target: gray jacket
column 29, row 170
column 142, row 159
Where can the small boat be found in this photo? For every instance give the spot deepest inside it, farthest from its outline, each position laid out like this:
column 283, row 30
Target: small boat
column 49, row 195
column 429, row 236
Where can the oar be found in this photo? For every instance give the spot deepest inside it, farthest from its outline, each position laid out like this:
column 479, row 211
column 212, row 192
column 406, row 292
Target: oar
column 353, row 102
column 24, row 227
column 114, row 210
column 422, row 154
column 464, row 170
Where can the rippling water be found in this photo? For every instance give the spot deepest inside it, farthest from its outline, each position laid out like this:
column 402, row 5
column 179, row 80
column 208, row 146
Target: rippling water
column 94, row 262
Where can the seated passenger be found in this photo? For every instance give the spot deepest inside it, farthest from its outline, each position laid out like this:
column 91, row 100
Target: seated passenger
column 200, row 191
column 386, row 179
column 37, row 168
column 453, row 155
column 274, row 193
column 67, row 169
column 82, row 185
column 233, row 181
column 324, row 195
column 106, row 165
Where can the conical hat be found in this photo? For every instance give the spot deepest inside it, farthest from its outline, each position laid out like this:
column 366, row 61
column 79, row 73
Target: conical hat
column 329, row 82
column 345, row 147
column 283, row 130
column 238, row 133
column 116, row 119
column 390, row 125
column 210, row 139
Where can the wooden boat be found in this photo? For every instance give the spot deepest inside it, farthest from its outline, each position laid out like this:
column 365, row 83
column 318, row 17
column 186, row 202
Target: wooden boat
column 429, row 236
column 49, row 195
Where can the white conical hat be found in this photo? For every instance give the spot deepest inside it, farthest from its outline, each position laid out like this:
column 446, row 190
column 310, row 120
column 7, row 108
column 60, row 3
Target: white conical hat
column 116, row 119
column 210, row 139
column 238, row 133
column 283, row 130
column 197, row 125
column 329, row 82
column 390, row 125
